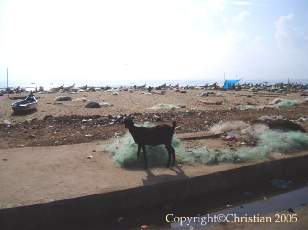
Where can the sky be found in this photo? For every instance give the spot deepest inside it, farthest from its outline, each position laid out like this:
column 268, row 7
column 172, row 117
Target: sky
column 138, row 40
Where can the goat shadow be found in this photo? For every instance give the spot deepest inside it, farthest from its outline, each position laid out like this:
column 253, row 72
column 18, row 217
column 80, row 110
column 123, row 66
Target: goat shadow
column 151, row 178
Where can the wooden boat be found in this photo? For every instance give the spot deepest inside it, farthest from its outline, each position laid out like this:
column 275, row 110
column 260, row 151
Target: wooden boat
column 26, row 105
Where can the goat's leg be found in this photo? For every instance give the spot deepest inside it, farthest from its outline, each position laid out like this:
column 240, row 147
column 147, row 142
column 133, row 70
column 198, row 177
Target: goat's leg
column 169, row 149
column 144, row 157
column 138, row 152
column 171, row 153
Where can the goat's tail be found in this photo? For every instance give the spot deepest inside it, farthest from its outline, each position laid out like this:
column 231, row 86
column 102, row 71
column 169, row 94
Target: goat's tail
column 173, row 125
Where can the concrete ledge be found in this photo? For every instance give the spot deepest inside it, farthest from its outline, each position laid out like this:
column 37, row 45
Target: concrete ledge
column 98, row 206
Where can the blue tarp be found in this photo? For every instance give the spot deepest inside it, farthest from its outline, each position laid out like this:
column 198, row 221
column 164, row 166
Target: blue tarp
column 229, row 83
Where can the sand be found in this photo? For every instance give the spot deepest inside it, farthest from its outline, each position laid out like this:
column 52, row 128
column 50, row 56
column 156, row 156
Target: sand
column 127, row 102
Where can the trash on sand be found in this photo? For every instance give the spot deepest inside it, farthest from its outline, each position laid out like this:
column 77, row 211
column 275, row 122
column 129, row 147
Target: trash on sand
column 115, row 93
column 164, row 106
column 7, row 122
column 283, row 103
column 204, row 94
column 281, row 184
column 106, row 104
column 231, row 138
column 228, row 126
column 90, row 157
column 245, row 107
column 88, row 135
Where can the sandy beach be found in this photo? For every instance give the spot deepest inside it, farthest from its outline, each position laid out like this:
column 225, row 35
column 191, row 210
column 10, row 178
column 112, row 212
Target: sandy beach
column 68, row 122
column 137, row 102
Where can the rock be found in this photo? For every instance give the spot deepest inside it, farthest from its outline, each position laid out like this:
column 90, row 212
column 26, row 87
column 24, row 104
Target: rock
column 63, row 98
column 92, row 104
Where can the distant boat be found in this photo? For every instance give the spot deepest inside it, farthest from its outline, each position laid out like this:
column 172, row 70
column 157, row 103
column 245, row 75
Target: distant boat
column 26, row 105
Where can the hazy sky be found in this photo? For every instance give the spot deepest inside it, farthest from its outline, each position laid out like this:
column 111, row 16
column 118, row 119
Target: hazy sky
column 158, row 39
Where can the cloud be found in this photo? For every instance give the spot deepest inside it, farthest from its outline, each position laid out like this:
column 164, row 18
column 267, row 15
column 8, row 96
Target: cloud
column 242, row 3
column 283, row 31
column 246, row 3
column 242, row 16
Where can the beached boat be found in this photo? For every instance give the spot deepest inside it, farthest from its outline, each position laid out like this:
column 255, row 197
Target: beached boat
column 26, row 105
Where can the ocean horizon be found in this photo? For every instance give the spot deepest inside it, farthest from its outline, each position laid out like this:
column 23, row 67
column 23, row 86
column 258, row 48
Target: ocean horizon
column 118, row 83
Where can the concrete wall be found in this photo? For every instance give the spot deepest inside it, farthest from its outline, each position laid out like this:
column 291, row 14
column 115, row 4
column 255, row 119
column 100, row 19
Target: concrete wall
column 98, row 206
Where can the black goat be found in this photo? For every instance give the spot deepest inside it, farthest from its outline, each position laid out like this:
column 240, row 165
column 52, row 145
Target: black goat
column 158, row 135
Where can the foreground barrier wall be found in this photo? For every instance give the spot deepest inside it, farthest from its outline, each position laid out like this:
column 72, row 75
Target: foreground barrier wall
column 97, row 206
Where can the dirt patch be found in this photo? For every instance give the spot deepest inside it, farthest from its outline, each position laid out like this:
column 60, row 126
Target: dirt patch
column 83, row 129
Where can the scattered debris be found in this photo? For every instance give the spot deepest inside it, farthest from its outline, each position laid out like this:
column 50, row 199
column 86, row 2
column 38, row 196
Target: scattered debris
column 231, row 138
column 164, row 106
column 245, row 107
column 106, row 104
column 7, row 122
column 283, row 103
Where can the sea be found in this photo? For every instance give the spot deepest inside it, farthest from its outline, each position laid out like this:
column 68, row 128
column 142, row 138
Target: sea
column 47, row 84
